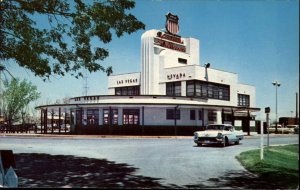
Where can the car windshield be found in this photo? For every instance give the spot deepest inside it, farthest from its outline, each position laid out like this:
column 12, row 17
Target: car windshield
column 215, row 127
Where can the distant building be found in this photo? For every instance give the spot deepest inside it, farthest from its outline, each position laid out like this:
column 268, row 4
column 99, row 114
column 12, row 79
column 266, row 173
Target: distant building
column 288, row 121
column 173, row 93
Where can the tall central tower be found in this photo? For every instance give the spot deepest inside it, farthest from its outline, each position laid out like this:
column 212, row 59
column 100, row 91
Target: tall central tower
column 161, row 50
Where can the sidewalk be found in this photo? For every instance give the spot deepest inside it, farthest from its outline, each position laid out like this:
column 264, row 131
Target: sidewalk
column 90, row 136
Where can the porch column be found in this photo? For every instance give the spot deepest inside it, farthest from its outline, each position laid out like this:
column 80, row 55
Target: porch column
column 42, row 114
column 175, row 119
column 66, row 120
column 45, row 120
column 203, row 124
column 232, row 117
column 219, row 116
column 248, row 121
column 59, row 120
column 223, row 116
column 120, row 116
column 52, row 115
column 110, row 117
column 143, row 118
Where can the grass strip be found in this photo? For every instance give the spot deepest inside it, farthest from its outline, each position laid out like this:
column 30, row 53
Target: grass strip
column 280, row 164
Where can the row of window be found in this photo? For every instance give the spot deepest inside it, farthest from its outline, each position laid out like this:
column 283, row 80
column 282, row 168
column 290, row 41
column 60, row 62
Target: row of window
column 132, row 116
column 196, row 88
column 110, row 116
column 173, row 89
column 172, row 114
column 207, row 90
column 128, row 91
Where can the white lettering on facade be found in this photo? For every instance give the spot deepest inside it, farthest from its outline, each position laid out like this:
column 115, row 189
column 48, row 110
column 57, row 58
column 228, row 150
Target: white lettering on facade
column 176, row 76
column 169, row 45
column 127, row 81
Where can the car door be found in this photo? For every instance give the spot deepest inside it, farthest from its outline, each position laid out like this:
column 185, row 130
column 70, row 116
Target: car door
column 230, row 134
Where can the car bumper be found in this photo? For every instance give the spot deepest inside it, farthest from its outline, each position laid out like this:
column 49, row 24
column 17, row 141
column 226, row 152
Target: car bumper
column 208, row 140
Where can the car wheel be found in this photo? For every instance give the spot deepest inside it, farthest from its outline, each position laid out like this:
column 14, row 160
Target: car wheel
column 237, row 142
column 225, row 142
column 199, row 144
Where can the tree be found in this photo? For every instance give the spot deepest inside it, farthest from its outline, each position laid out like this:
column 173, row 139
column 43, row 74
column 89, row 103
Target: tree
column 63, row 46
column 16, row 97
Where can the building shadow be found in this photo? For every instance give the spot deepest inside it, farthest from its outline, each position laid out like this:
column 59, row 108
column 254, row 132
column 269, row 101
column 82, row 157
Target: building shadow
column 45, row 170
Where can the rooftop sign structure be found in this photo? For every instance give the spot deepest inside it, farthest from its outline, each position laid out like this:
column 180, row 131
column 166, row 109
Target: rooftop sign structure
column 168, row 38
column 172, row 24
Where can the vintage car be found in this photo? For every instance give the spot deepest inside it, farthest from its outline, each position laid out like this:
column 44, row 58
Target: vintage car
column 222, row 134
column 280, row 129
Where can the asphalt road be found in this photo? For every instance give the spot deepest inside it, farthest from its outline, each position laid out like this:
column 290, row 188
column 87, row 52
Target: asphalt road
column 177, row 162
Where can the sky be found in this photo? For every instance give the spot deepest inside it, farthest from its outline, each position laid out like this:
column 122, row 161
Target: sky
column 258, row 40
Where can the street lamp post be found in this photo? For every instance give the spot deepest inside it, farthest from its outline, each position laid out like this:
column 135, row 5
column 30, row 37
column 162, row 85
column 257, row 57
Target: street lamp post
column 276, row 84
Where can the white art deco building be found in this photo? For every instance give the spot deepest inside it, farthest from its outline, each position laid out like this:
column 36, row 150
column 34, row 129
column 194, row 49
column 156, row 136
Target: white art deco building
column 172, row 95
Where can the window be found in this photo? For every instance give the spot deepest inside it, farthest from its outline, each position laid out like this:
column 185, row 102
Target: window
column 92, row 116
column 207, row 89
column 106, row 117
column 110, row 118
column 190, row 88
column 181, row 60
column 210, row 91
column 118, row 91
column 130, row 91
column 127, row 91
column 114, row 116
column 131, row 116
column 169, row 89
column 215, row 92
column 170, row 114
column 173, row 89
column 192, row 114
column 212, row 116
column 198, row 89
column 177, row 88
column 200, row 114
column 204, row 90
column 79, row 116
column 243, row 100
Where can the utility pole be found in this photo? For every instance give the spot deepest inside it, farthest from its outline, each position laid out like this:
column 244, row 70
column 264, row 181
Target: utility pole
column 297, row 109
column 276, row 84
column 85, row 86
column 267, row 111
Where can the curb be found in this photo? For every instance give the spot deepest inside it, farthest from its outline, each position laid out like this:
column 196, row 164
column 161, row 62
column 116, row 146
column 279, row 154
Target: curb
column 122, row 136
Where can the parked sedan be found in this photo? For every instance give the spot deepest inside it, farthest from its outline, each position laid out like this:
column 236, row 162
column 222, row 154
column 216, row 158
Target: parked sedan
column 296, row 129
column 222, row 134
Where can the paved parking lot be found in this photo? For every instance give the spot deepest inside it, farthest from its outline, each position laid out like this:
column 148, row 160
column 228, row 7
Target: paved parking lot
column 174, row 161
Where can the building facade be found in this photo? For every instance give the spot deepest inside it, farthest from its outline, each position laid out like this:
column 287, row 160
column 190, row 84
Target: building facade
column 173, row 93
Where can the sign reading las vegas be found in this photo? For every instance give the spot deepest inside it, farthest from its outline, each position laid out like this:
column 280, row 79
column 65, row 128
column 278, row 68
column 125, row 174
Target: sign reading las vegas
column 170, row 39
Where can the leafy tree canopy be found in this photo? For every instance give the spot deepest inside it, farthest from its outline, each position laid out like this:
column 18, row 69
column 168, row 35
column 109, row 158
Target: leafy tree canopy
column 17, row 95
column 64, row 46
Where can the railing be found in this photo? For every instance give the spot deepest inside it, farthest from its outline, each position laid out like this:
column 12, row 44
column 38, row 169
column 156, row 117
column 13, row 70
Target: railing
column 21, row 128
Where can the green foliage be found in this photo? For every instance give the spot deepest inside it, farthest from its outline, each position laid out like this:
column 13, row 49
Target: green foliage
column 280, row 164
column 16, row 97
column 64, row 46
